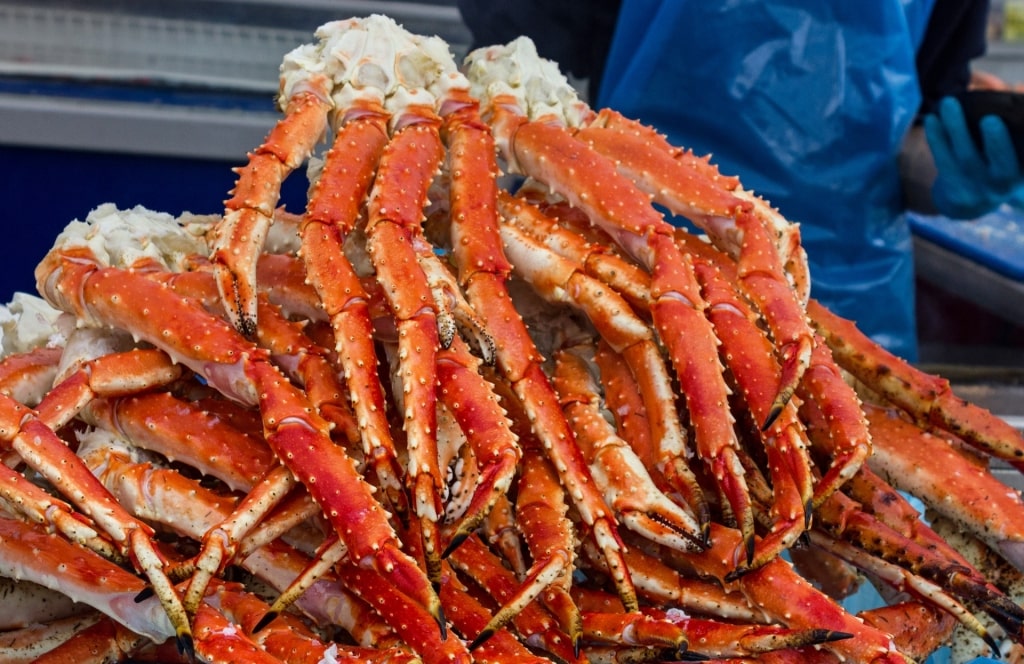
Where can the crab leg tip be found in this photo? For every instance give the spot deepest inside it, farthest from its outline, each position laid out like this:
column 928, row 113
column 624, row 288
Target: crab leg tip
column 143, row 595
column 776, row 409
column 442, row 623
column 481, row 638
column 186, row 647
column 750, row 547
column 808, row 514
column 992, row 643
column 735, row 574
column 705, row 532
column 264, row 621
column 577, row 642
column 455, row 542
column 690, row 656
column 829, row 635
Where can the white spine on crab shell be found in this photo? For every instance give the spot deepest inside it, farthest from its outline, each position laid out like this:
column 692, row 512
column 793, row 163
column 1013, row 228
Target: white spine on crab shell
column 540, row 89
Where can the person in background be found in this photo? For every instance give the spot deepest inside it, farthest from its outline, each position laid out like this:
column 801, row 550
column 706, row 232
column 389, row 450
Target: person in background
column 842, row 114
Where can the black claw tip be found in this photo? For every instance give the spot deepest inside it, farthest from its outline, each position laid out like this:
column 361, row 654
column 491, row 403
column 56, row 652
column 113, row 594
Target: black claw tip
column 455, row 542
column 705, row 534
column 829, row 635
column 736, row 573
column 992, row 643
column 442, row 623
column 186, row 647
column 773, row 414
column 808, row 514
column 144, row 594
column 481, row 637
column 264, row 621
column 750, row 544
column 577, row 643
column 690, row 656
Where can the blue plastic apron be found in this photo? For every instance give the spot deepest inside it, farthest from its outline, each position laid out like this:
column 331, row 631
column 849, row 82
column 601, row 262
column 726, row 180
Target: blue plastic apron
column 808, row 103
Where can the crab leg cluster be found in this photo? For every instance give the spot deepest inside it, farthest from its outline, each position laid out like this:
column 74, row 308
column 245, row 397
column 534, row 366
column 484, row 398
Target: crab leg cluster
column 437, row 417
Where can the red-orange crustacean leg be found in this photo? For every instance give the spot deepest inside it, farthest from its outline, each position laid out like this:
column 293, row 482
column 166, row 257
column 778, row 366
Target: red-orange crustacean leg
column 73, row 281
column 483, row 272
column 929, row 399
column 163, row 496
column 477, row 410
column 627, row 486
column 789, row 599
column 332, row 212
column 544, row 148
column 747, row 353
column 250, row 210
column 561, row 279
column 395, row 211
column 31, row 435
column 692, row 187
column 843, row 436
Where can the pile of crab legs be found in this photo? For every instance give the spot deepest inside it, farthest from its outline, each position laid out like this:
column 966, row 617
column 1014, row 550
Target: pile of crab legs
column 433, row 419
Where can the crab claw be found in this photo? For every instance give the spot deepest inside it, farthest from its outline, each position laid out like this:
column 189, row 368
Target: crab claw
column 796, row 357
column 625, row 482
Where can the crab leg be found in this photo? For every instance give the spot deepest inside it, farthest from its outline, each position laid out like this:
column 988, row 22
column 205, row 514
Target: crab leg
column 180, row 430
column 566, row 231
column 558, row 279
column 331, row 215
column 690, row 186
column 777, row 590
column 534, row 624
column 470, row 616
column 904, row 580
column 483, row 271
column 289, row 638
column 747, row 352
column 395, row 211
column 941, row 561
column 160, row 495
column 540, row 514
column 85, row 639
column 32, row 554
column 842, row 432
column 674, row 630
column 544, row 149
column 26, row 377
column 104, row 375
column 929, row 399
column 499, row 531
column 31, row 435
column 240, row 370
column 832, row 408
column 472, row 402
column 250, row 210
column 939, row 577
column 29, row 501
column 627, row 486
column 951, row 481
